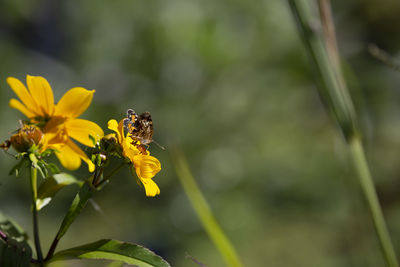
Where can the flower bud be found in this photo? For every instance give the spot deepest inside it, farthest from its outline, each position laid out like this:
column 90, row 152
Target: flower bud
column 109, row 142
column 26, row 137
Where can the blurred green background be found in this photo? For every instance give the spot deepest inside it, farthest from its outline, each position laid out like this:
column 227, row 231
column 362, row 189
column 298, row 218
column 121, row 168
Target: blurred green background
column 228, row 82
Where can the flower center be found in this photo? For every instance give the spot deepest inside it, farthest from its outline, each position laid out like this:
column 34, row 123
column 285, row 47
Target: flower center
column 55, row 130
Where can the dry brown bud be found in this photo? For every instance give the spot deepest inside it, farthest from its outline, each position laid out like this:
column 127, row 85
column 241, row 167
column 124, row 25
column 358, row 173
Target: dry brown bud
column 26, row 137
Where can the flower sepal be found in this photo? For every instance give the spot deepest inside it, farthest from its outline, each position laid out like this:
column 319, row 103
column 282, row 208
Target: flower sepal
column 99, row 154
column 45, row 169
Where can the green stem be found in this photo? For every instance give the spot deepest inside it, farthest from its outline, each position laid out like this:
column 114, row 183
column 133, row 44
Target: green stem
column 368, row 188
column 105, row 179
column 329, row 36
column 203, row 211
column 33, row 179
column 334, row 95
column 326, row 60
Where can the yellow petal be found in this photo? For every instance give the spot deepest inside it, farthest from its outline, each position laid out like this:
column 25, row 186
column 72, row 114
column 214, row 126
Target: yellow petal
column 80, row 130
column 14, row 103
column 91, row 166
column 55, row 124
column 113, row 125
column 20, row 90
column 42, row 93
column 121, row 128
column 129, row 150
column 82, row 155
column 55, row 131
column 146, row 166
column 68, row 157
column 151, row 187
column 74, row 102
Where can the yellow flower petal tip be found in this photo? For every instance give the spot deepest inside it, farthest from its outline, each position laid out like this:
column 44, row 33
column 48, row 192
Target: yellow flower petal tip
column 152, row 189
column 91, row 166
column 112, row 125
column 74, row 102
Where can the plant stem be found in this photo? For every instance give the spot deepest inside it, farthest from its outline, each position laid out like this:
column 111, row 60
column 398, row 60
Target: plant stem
column 368, row 188
column 329, row 36
column 355, row 143
column 105, row 179
column 33, row 172
column 384, row 57
column 52, row 248
column 333, row 94
column 203, row 211
column 326, row 60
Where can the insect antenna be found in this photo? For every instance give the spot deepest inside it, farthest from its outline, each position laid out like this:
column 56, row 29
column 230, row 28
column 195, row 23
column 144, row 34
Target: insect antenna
column 160, row 146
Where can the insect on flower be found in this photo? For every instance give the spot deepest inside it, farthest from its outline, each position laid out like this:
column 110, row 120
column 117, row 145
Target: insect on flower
column 140, row 128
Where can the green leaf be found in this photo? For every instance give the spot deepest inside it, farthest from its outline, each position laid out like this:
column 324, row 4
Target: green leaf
column 48, row 152
column 11, row 228
column 76, row 207
column 53, row 168
column 116, row 264
column 51, row 186
column 42, row 169
column 14, row 250
column 108, row 249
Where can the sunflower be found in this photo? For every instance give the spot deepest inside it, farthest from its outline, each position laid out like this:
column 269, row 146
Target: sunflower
column 58, row 122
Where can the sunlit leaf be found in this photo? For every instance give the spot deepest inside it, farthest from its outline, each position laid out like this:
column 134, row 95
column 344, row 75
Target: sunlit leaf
column 113, row 250
column 51, row 186
column 14, row 250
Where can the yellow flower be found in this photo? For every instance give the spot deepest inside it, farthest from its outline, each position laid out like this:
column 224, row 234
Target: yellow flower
column 59, row 121
column 146, row 166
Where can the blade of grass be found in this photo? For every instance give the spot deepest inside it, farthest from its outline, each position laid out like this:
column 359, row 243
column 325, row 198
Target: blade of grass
column 203, row 211
column 336, row 98
column 326, row 60
column 368, row 188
